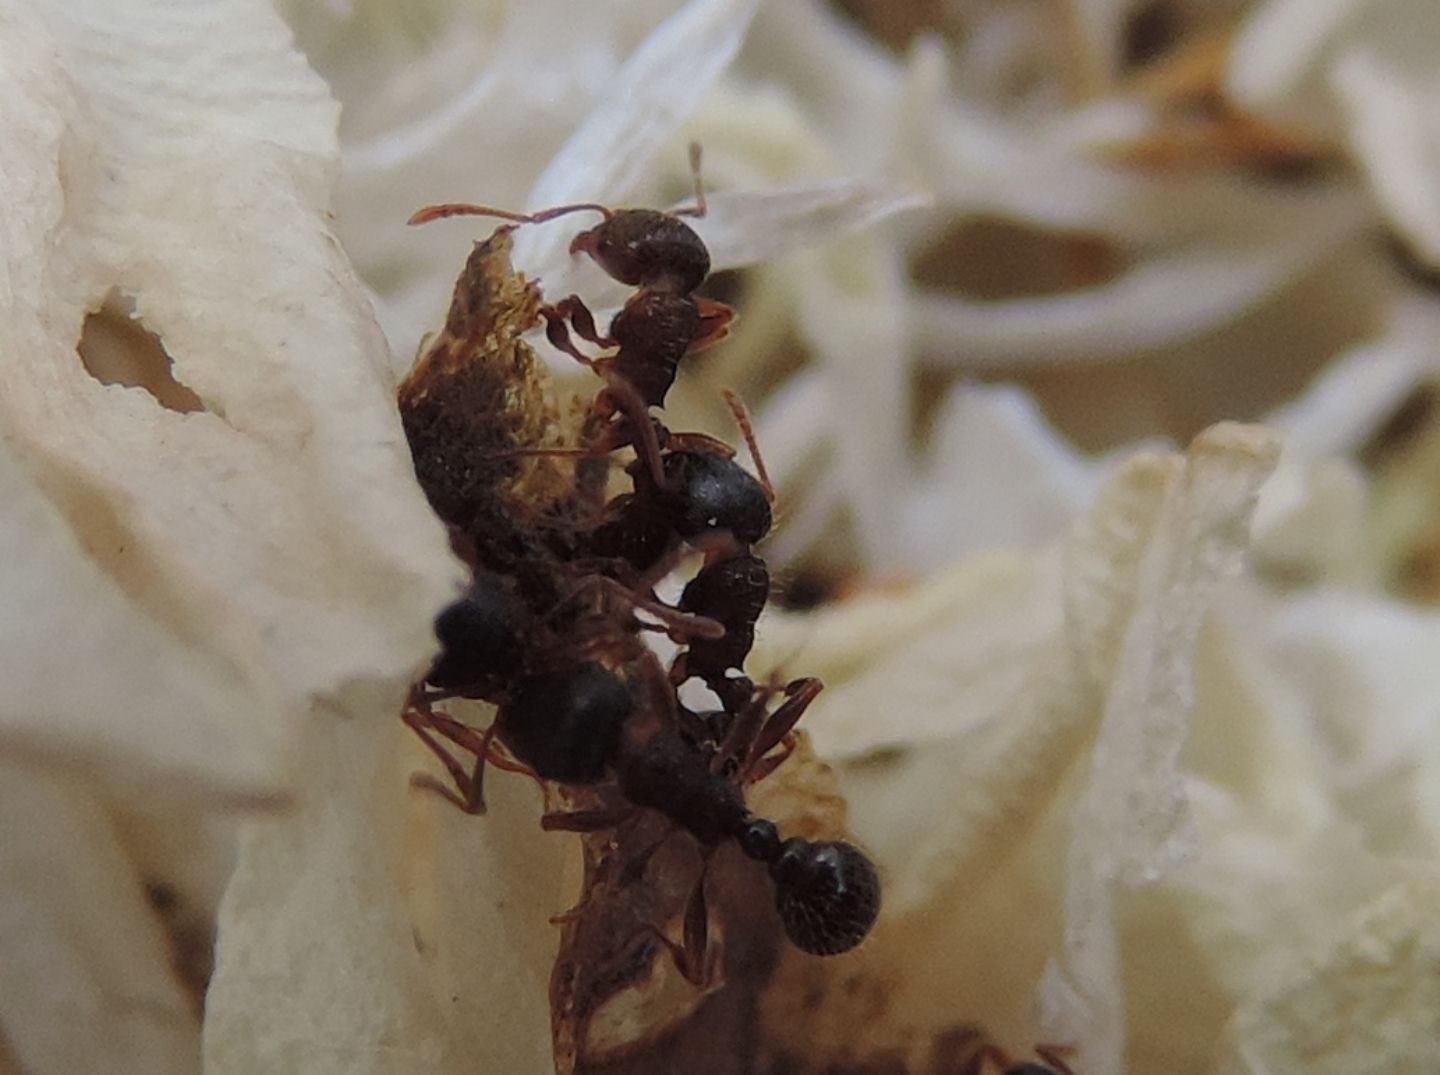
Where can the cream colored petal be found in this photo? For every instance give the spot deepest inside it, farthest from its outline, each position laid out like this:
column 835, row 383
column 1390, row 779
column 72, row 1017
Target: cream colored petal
column 1167, row 296
column 88, row 980
column 659, row 85
column 379, row 929
column 274, row 539
column 742, row 228
column 1172, row 531
column 1000, row 477
column 986, row 712
column 1366, row 1004
column 98, row 685
column 1278, row 59
column 1390, row 94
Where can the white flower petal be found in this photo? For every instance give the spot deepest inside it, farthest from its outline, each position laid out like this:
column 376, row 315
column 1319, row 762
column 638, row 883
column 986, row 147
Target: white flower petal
column 278, row 532
column 1181, row 528
column 1164, row 298
column 89, row 982
column 379, row 929
column 661, row 83
column 1392, row 107
column 1000, row 478
column 1370, row 1002
column 742, row 228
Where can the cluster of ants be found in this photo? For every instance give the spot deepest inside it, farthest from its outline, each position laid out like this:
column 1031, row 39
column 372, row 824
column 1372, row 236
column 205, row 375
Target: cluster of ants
column 552, row 627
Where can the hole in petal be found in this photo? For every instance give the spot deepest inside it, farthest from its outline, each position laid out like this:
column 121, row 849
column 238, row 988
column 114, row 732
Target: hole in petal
column 992, row 259
column 116, row 348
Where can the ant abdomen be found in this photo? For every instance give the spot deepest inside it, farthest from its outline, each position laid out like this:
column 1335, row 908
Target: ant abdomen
column 827, row 893
column 710, row 492
column 647, row 248
column 479, row 636
column 566, row 725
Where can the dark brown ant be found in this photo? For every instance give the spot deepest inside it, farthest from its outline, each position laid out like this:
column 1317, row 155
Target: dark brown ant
column 663, row 257
column 560, row 712
column 662, row 322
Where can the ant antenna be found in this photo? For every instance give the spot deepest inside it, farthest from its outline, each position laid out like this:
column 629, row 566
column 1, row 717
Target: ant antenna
column 699, row 209
column 449, row 209
column 742, row 419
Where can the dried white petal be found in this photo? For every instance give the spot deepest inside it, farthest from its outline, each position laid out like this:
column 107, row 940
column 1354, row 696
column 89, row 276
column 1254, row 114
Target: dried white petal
column 1001, row 478
column 379, row 929
column 743, row 228
column 89, row 982
column 1181, row 529
column 674, row 68
column 277, row 535
column 1368, row 1003
column 976, row 708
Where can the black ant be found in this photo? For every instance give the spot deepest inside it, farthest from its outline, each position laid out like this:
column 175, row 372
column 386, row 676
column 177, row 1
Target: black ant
column 579, row 722
column 826, row 892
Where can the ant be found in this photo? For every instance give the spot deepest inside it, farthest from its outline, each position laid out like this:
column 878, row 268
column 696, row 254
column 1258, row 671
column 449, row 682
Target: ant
column 662, row 322
column 578, row 722
column 654, row 251
column 827, row 893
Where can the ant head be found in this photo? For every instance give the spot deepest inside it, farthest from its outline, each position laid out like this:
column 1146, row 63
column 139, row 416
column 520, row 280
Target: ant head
column 710, row 492
column 647, row 248
column 479, row 636
column 827, row 893
column 566, row 724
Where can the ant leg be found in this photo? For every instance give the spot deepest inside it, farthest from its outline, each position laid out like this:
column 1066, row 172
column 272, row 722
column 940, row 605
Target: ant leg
column 559, row 336
column 586, row 820
column 694, row 957
column 573, row 308
column 799, row 695
column 748, row 723
column 644, row 437
column 471, row 797
column 680, row 626
column 742, row 419
column 449, row 209
column 715, row 318
column 767, row 764
column 1054, row 1055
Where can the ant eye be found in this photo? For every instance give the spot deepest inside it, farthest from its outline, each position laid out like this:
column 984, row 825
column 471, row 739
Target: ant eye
column 827, row 893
